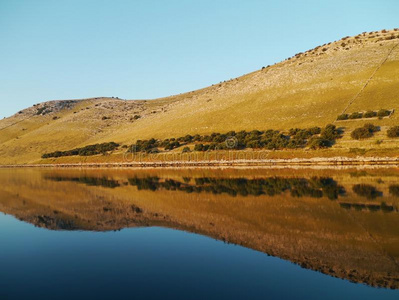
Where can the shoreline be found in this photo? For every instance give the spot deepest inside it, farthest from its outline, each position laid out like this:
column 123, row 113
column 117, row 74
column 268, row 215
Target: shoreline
column 295, row 162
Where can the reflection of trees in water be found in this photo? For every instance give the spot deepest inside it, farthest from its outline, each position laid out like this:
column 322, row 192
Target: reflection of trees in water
column 315, row 187
column 394, row 190
column 298, row 187
column 91, row 181
column 371, row 207
column 366, row 190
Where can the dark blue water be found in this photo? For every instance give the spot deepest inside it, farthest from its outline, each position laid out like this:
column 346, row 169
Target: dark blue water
column 153, row 263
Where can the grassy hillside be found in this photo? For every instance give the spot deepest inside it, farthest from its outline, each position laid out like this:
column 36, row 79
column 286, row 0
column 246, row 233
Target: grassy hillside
column 309, row 89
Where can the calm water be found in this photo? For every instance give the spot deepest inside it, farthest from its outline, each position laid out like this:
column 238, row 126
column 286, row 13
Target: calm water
column 199, row 234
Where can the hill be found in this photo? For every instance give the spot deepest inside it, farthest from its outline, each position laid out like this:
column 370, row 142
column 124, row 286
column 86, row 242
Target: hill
column 354, row 74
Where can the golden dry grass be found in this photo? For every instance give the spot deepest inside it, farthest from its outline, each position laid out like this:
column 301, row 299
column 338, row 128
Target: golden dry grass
column 310, row 89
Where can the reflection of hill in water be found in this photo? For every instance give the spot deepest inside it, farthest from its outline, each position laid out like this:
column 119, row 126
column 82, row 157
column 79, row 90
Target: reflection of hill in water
column 314, row 219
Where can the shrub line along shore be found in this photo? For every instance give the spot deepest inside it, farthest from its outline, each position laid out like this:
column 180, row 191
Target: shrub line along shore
column 329, row 161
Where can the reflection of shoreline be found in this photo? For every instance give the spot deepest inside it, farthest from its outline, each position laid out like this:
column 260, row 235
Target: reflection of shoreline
column 323, row 162
column 315, row 233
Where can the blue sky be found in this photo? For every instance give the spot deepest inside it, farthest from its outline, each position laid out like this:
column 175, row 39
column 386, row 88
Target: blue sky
column 147, row 49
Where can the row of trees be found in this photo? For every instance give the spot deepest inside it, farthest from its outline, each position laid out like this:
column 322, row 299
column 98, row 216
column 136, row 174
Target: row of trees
column 368, row 130
column 369, row 114
column 314, row 137
column 85, row 151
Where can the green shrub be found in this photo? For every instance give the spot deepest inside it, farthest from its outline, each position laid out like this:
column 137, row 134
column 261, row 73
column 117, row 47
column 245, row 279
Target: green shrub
column 364, row 132
column 314, row 130
column 393, row 132
column 172, row 145
column 370, row 127
column 85, row 151
column 318, row 143
column 356, row 115
column 293, row 131
column 343, row 117
column 361, row 133
column 145, row 145
column 330, row 133
column 196, row 138
column 199, row 147
column 188, row 138
column 186, row 149
column 383, row 113
column 370, row 114
column 41, row 110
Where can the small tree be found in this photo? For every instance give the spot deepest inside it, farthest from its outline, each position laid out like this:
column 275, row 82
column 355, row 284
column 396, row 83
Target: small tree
column 330, row 133
column 364, row 132
column 318, row 143
column 383, row 113
column 199, row 147
column 370, row 127
column 356, row 115
column 343, row 117
column 370, row 114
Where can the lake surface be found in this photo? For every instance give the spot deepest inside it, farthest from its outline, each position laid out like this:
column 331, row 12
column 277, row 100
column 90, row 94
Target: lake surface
column 199, row 234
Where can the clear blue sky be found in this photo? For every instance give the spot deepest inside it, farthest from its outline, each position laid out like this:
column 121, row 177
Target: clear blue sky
column 146, row 49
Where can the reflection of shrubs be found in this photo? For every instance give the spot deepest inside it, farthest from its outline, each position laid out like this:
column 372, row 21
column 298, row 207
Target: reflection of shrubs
column 393, row 132
column 394, row 190
column 298, row 187
column 371, row 207
column 364, row 132
column 91, row 181
column 366, row 190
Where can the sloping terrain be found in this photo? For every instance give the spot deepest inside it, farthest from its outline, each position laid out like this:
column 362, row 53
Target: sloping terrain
column 309, row 89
